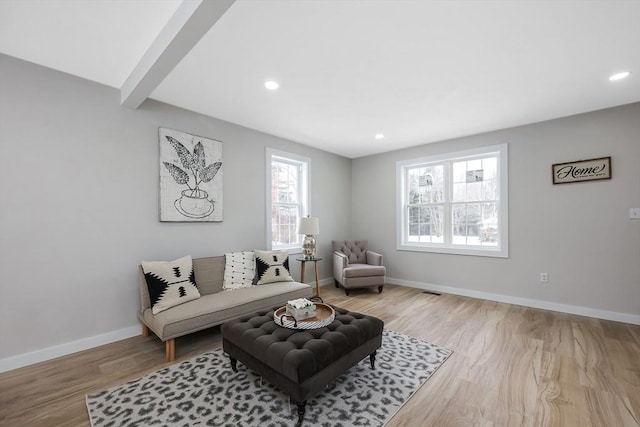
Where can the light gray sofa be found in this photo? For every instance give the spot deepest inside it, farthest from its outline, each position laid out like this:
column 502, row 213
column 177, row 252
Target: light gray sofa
column 214, row 306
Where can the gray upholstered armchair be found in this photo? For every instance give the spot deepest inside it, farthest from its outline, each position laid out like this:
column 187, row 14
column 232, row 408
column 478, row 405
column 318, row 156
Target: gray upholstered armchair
column 355, row 266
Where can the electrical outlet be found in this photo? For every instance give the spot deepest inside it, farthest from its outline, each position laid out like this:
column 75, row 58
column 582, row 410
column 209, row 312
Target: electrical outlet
column 544, row 277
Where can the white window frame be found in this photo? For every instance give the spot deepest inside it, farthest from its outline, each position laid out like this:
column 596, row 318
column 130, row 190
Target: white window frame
column 304, row 196
column 501, row 250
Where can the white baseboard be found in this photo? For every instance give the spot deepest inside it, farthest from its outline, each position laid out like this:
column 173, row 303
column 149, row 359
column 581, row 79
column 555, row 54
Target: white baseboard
column 48, row 353
column 321, row 283
column 326, row 282
column 633, row 319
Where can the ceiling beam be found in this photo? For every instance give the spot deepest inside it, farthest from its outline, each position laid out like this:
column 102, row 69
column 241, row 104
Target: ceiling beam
column 191, row 21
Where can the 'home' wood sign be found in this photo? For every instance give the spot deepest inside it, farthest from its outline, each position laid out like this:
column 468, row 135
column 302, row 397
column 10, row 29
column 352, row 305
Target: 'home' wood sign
column 582, row 170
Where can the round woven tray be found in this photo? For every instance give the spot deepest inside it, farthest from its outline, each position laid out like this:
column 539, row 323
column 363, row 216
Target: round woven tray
column 324, row 316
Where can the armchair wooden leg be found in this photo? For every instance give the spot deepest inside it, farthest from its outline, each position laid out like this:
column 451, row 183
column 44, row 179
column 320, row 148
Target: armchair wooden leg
column 145, row 330
column 170, row 349
column 380, row 289
column 335, row 282
column 346, row 291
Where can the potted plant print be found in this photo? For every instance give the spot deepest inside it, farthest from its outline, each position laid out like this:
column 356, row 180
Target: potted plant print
column 193, row 202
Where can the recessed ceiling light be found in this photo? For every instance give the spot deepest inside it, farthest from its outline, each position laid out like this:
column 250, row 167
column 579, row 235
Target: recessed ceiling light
column 271, row 85
column 619, row 76
column 379, row 136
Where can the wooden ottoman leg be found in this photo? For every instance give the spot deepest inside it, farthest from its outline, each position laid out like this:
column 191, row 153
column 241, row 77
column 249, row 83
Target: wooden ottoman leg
column 170, row 349
column 234, row 364
column 301, row 409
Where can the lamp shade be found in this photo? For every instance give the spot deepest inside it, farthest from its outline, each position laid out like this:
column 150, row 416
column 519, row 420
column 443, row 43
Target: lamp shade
column 309, row 225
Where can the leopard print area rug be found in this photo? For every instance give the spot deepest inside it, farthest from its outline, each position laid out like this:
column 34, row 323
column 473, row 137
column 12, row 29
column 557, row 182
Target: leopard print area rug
column 204, row 391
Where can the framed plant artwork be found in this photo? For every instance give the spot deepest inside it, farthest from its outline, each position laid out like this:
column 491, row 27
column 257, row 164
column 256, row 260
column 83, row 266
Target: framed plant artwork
column 190, row 177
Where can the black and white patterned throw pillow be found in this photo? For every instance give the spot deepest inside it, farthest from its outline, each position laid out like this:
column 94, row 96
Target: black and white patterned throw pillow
column 239, row 270
column 272, row 266
column 170, row 283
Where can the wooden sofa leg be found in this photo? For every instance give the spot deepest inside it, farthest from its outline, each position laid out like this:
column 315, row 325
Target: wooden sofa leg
column 170, row 349
column 145, row 330
column 335, row 282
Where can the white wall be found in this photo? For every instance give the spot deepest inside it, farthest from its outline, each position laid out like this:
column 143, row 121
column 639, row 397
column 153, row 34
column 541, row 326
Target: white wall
column 579, row 234
column 79, row 206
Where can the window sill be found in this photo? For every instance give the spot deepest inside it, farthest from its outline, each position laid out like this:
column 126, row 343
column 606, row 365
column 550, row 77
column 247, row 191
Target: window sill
column 488, row 252
column 291, row 250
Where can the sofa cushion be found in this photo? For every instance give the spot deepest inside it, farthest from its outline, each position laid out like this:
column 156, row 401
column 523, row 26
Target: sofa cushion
column 214, row 309
column 170, row 283
column 272, row 266
column 360, row 270
column 239, row 270
column 209, row 274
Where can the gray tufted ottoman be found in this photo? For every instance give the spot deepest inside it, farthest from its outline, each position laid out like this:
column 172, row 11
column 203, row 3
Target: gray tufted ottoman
column 301, row 362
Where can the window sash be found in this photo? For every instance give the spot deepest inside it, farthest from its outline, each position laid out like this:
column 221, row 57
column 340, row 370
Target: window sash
column 287, row 193
column 285, row 233
column 296, row 177
column 480, row 225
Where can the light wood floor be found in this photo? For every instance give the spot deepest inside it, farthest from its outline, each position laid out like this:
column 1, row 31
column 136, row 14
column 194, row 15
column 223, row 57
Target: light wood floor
column 511, row 366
